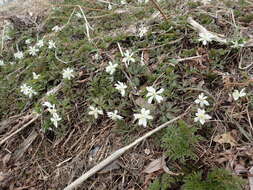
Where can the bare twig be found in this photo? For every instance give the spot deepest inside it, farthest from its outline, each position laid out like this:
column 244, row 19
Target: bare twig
column 202, row 29
column 118, row 153
column 159, row 9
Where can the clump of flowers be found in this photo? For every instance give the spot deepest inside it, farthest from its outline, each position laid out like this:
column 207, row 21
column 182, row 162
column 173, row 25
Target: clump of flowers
column 68, row 73
column 143, row 117
column 236, row 94
column 121, row 87
column 95, row 111
column 40, row 43
column 27, row 90
column 153, row 94
column 55, row 118
column 201, row 115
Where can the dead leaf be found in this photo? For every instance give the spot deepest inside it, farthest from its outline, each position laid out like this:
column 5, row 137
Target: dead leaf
column 154, row 166
column 157, row 165
column 225, row 138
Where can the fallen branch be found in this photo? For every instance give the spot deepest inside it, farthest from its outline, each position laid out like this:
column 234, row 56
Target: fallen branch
column 118, row 153
column 202, row 29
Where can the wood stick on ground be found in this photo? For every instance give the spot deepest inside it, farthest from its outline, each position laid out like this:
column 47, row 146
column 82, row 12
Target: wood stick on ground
column 159, row 9
column 118, row 153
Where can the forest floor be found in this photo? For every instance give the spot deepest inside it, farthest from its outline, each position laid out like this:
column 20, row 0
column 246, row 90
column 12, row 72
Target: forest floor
column 80, row 79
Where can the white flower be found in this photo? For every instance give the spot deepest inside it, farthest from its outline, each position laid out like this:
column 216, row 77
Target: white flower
column 51, row 44
column 142, row 31
column 40, row 43
column 128, row 57
column 27, row 90
column 28, row 41
column 143, row 117
column 143, row 1
column 1, row 63
column 123, row 2
column 79, row 15
column 68, row 73
column 205, row 37
column 152, row 94
column 121, row 88
column 114, row 115
column 109, row 6
column 236, row 94
column 111, row 68
column 48, row 104
column 12, row 63
column 95, row 111
column 201, row 116
column 202, row 100
column 35, row 76
column 51, row 107
column 18, row 55
column 33, row 50
column 55, row 119
column 56, row 28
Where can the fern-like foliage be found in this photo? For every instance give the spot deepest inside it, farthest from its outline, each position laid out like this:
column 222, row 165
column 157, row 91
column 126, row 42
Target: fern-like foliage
column 218, row 179
column 179, row 141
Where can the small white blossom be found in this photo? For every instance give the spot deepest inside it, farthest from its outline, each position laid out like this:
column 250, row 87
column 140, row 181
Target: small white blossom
column 19, row 55
column 202, row 100
column 143, row 117
column 40, row 43
column 143, row 1
column 114, row 115
column 56, row 28
column 201, row 116
column 95, row 111
column 35, row 76
column 51, row 44
column 48, row 104
column 68, row 73
column 128, row 57
column 121, row 87
column 109, row 6
column 142, row 31
column 55, row 119
column 28, row 41
column 79, row 15
column 205, row 37
column 153, row 94
column 236, row 94
column 123, row 2
column 27, row 90
column 33, row 50
column 12, row 63
column 111, row 68
column 1, row 63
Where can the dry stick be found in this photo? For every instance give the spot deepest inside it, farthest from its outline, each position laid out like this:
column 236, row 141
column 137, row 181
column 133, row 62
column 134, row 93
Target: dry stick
column 118, row 153
column 159, row 8
column 20, row 129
